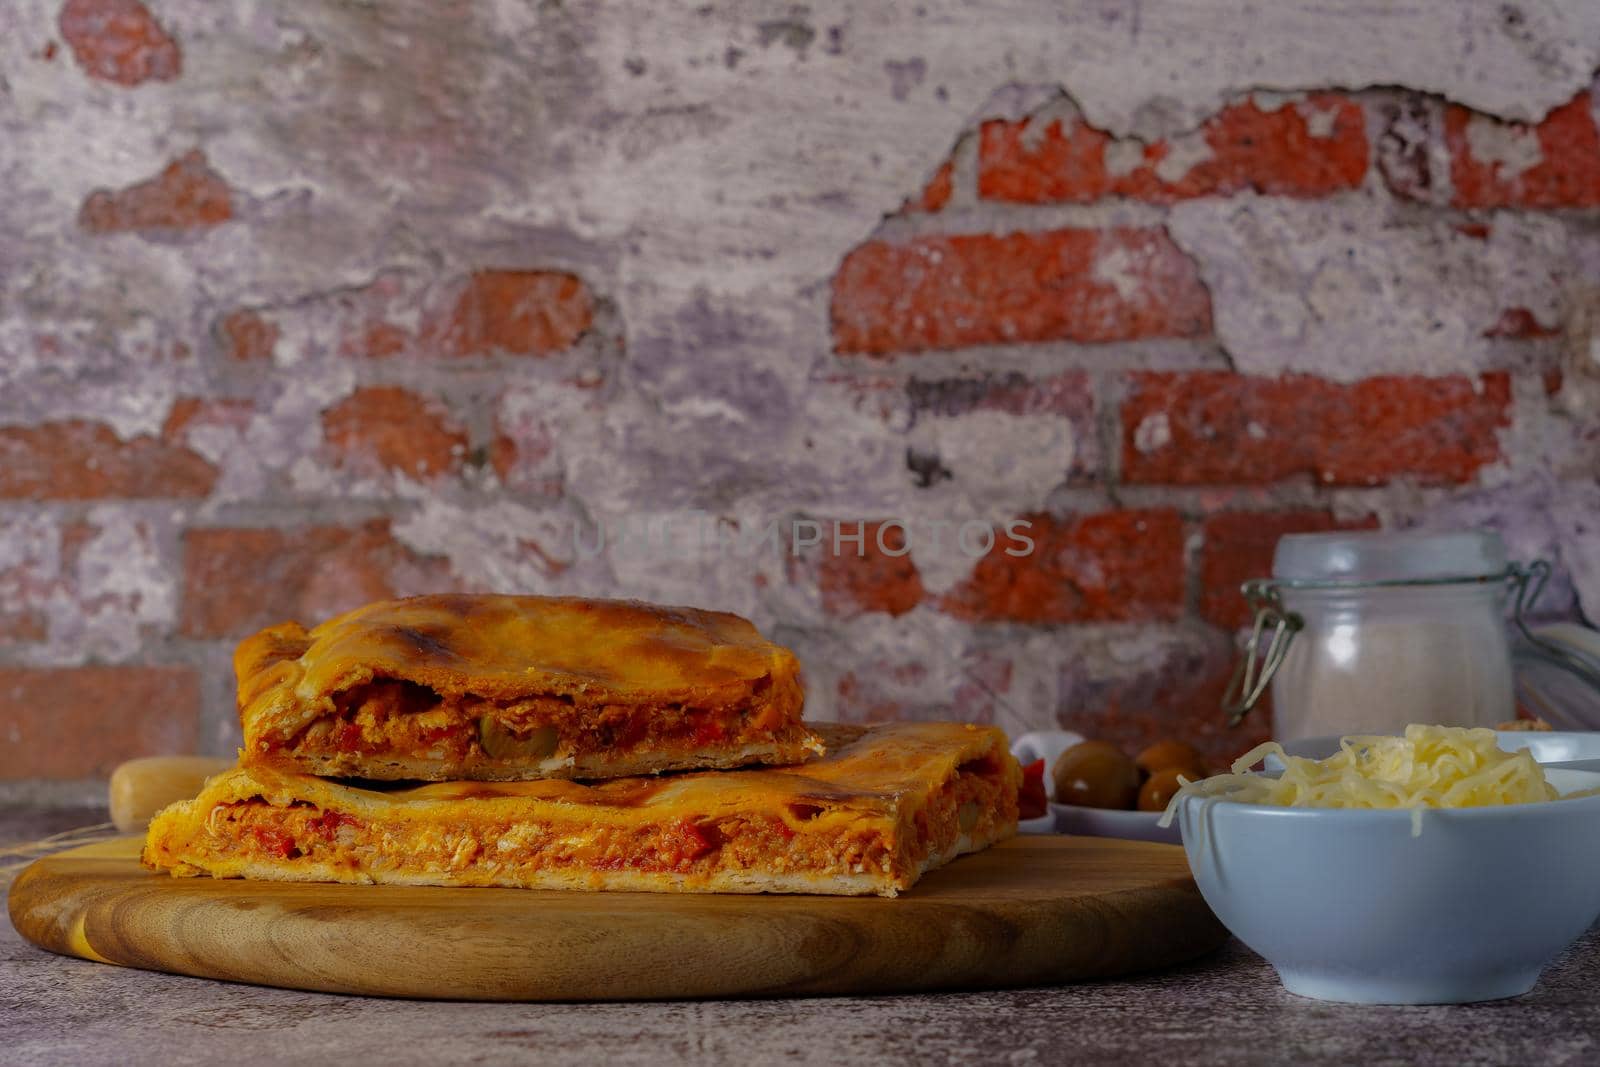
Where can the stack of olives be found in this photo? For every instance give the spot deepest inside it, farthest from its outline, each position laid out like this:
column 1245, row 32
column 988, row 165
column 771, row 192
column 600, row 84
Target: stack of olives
column 1098, row 774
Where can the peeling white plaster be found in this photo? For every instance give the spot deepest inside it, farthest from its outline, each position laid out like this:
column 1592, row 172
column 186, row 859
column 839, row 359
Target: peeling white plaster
column 1123, row 157
column 1577, row 516
column 1512, row 150
column 1058, row 108
column 1320, row 121
column 500, row 545
column 1118, row 268
column 126, row 376
column 1183, row 155
column 97, row 605
column 122, row 578
column 1001, row 461
column 942, row 564
column 1346, row 288
column 1268, row 101
column 1153, row 432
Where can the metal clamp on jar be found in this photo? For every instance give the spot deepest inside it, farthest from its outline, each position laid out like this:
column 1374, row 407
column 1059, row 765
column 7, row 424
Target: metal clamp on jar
column 1367, row 632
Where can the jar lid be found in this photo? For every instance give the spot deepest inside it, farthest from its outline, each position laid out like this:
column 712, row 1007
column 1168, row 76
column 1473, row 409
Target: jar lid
column 1385, row 556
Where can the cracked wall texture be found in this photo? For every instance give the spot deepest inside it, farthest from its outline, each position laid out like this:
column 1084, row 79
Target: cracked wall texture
column 305, row 305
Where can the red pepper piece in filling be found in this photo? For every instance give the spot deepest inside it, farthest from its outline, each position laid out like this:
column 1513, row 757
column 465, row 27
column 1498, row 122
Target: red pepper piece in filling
column 327, row 824
column 348, row 738
column 1031, row 801
column 709, row 731
column 696, row 840
column 275, row 841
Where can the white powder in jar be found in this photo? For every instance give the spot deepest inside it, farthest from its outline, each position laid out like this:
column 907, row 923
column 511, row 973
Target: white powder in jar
column 1376, row 675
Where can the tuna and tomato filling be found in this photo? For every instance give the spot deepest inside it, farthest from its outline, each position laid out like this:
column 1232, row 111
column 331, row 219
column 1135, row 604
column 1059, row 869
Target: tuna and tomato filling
column 389, row 717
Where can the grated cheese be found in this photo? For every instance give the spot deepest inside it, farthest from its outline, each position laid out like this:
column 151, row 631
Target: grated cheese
column 1428, row 767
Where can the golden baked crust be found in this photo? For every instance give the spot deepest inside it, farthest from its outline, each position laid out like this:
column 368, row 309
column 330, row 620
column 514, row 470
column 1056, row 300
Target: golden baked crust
column 884, row 805
column 516, row 687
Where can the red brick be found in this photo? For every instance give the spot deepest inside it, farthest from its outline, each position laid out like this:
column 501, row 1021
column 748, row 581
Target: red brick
column 80, row 722
column 1521, row 324
column 187, row 195
column 523, row 313
column 80, row 460
column 380, row 340
column 1110, row 567
column 1071, row 285
column 236, row 581
column 392, row 429
column 873, row 581
column 936, row 194
column 23, row 624
column 1271, row 152
column 1567, row 176
column 119, row 41
column 1239, row 546
column 403, row 316
column 1218, row 428
column 247, row 336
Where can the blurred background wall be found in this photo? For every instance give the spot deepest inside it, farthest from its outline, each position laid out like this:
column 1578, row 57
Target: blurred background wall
column 303, row 305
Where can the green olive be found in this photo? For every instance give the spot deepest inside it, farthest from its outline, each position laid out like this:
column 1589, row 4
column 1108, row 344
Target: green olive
column 1095, row 774
column 1160, row 787
column 500, row 743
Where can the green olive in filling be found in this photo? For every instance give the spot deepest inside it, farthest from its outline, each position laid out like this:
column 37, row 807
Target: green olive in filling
column 500, row 743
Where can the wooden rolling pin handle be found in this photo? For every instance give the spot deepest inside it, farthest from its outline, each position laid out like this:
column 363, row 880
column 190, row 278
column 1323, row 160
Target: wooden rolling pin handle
column 142, row 787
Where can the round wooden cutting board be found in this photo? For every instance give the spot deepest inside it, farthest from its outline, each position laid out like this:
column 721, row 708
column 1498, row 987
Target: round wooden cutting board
column 1032, row 911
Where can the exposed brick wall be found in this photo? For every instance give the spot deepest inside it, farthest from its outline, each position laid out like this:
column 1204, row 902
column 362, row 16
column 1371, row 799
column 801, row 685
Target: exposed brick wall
column 81, row 722
column 1240, row 459
column 369, row 300
column 119, row 41
column 1059, row 285
column 1313, row 147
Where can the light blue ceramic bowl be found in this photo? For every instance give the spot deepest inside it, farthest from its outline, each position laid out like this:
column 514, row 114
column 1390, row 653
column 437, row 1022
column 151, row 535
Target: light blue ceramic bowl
column 1349, row 906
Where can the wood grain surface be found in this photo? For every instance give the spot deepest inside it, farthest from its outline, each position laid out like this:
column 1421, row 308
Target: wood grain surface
column 1032, row 911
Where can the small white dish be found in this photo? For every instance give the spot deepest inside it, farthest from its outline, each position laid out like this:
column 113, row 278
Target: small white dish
column 1042, row 745
column 1348, row 906
column 1072, row 818
column 1044, row 824
column 1109, row 822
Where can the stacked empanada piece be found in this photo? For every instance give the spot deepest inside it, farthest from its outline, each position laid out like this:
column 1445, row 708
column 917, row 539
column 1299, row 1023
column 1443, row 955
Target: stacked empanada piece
column 566, row 743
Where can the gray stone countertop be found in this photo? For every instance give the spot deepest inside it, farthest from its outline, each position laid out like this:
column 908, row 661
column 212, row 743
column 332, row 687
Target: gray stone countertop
column 1226, row 1008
